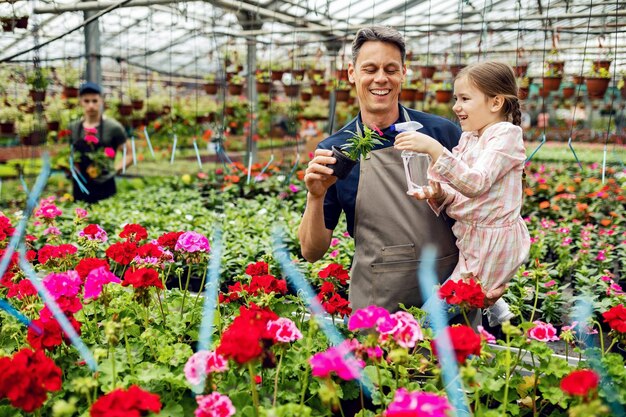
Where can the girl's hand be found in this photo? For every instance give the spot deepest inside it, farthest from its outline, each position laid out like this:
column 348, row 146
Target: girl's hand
column 433, row 190
column 418, row 142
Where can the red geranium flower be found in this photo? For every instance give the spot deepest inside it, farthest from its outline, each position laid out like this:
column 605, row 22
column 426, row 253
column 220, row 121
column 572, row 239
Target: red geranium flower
column 464, row 294
column 149, row 250
column 616, row 318
column 247, row 336
column 22, row 289
column 580, row 382
column 49, row 337
column 257, row 268
column 464, row 341
column 133, row 402
column 134, row 232
column 335, row 271
column 267, row 284
column 142, row 278
column 27, row 377
column 86, row 265
column 168, row 240
column 122, row 252
column 336, row 304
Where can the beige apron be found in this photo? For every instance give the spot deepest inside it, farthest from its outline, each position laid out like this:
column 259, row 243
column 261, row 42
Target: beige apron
column 390, row 230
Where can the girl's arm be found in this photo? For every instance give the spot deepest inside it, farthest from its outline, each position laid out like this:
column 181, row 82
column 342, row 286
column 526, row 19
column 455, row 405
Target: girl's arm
column 504, row 151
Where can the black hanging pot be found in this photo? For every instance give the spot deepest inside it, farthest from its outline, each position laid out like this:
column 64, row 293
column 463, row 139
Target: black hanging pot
column 343, row 166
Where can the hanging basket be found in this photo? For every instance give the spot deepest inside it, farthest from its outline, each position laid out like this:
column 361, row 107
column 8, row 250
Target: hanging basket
column 318, row 89
column 419, row 95
column 151, row 116
column 456, row 68
column 229, row 111
column 125, row 109
column 601, row 64
column 210, row 88
column 235, row 89
column 342, row 74
column 263, row 88
column 70, row 92
column 342, row 95
column 137, row 104
column 37, row 95
column 520, row 70
column 408, row 94
column 428, row 71
column 277, row 75
column 552, row 83
column 556, row 66
column 443, row 96
column 306, row 96
column 53, row 126
column 34, row 138
column 136, row 123
column 292, row 90
column 522, row 93
column 596, row 87
column 297, row 73
column 568, row 92
column 313, row 72
column 7, row 128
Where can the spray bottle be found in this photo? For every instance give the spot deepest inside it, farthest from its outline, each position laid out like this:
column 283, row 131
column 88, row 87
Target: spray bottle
column 415, row 163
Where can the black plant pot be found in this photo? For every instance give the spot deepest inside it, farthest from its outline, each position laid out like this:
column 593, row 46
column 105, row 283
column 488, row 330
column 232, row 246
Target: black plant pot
column 343, row 166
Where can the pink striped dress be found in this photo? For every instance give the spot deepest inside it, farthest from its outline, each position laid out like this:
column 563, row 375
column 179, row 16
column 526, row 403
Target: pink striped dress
column 482, row 182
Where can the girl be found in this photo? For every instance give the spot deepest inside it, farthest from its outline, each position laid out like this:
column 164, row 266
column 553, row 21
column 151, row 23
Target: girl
column 479, row 183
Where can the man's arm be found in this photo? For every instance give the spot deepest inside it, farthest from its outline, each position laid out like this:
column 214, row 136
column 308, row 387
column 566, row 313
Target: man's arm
column 313, row 235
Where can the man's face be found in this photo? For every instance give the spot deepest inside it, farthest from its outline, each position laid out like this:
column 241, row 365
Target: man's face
column 91, row 103
column 378, row 75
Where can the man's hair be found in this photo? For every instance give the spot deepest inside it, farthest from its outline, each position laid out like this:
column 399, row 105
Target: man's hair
column 379, row 34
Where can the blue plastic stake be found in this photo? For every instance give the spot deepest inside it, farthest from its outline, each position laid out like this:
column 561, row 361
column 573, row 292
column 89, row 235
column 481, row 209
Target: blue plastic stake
column 293, row 169
column 427, row 278
column 249, row 168
column 210, row 301
column 82, row 177
column 569, row 143
column 80, row 184
column 132, row 148
column 174, row 149
column 583, row 314
column 305, row 291
column 4, row 305
column 25, row 187
column 604, row 163
column 31, row 202
column 145, row 132
column 266, row 166
column 543, row 140
column 124, row 160
column 195, row 147
column 56, row 311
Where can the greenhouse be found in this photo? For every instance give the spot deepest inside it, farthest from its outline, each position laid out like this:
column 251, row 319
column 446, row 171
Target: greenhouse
column 312, row 208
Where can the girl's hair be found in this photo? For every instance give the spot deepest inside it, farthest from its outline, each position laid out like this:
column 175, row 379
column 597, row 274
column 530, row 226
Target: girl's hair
column 493, row 79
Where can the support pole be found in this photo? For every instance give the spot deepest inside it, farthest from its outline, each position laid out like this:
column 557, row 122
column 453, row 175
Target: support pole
column 92, row 49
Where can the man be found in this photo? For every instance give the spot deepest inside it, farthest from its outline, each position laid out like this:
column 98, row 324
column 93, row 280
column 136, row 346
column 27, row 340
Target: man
column 390, row 228
column 95, row 141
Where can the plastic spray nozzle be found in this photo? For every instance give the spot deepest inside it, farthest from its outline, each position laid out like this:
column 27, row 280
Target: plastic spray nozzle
column 406, row 126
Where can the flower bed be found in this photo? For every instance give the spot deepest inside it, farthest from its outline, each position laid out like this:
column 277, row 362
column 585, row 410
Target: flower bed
column 266, row 356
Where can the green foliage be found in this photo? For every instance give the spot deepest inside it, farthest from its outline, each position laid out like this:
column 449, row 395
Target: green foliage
column 359, row 146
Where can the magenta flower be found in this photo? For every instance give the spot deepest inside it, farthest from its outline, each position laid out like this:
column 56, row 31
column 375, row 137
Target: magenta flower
column 338, row 360
column 418, row 404
column 192, row 242
column 334, row 241
column 550, row 283
column 52, row 230
column 91, row 139
column 543, row 332
column 601, row 255
column 96, row 279
column 91, row 130
column 202, row 363
column 94, row 232
column 334, row 254
column 109, row 152
column 283, row 330
column 214, row 405
column 63, row 284
column 48, row 211
column 294, row 188
column 367, row 318
column 487, row 337
column 403, row 328
column 80, row 212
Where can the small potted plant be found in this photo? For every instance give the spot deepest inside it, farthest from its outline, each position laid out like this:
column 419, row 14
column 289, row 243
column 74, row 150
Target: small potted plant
column 69, row 78
column 597, row 82
column 38, row 82
column 8, row 116
column 523, row 84
column 263, row 81
column 355, row 149
column 443, row 91
column 210, row 87
column 292, row 85
column 408, row 91
column 306, row 94
column 342, row 90
column 235, row 85
column 136, row 95
column 318, row 85
column 54, row 112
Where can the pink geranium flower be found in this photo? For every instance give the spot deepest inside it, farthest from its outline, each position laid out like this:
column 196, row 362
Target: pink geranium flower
column 336, row 359
column 192, row 242
column 91, row 139
column 402, row 327
column 48, row 211
column 283, row 330
column 367, row 318
column 64, row 284
column 487, row 337
column 96, row 279
column 421, row 404
column 109, row 152
column 81, row 213
column 202, row 363
column 214, row 405
column 543, row 332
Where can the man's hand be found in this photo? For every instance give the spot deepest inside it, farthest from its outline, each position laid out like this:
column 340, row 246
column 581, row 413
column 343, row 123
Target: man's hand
column 318, row 177
column 493, row 295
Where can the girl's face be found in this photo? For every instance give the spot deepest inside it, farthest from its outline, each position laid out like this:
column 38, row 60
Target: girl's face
column 474, row 109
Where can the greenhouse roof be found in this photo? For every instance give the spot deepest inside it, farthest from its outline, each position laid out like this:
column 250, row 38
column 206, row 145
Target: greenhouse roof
column 192, row 38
